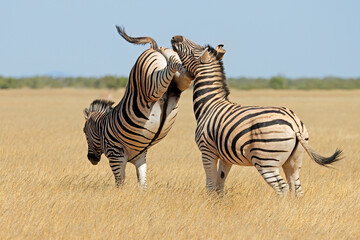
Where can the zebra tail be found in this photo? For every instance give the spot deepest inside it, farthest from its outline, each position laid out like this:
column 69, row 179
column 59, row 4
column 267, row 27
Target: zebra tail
column 138, row 40
column 321, row 160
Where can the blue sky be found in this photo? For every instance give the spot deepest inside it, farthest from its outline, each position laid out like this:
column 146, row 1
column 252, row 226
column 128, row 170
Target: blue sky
column 308, row 38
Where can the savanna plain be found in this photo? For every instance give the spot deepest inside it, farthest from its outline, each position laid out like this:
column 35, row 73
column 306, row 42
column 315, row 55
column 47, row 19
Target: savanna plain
column 49, row 190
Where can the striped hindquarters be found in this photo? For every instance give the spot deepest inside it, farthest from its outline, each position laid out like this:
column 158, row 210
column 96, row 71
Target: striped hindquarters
column 246, row 135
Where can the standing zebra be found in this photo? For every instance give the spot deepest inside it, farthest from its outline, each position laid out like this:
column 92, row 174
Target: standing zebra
column 265, row 137
column 143, row 117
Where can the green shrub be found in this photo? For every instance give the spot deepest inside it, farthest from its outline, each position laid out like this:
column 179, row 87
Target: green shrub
column 278, row 82
column 114, row 82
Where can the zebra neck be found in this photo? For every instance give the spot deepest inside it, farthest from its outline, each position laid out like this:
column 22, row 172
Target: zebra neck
column 208, row 91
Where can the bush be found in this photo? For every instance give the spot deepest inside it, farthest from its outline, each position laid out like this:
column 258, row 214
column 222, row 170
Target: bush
column 113, row 82
column 278, row 82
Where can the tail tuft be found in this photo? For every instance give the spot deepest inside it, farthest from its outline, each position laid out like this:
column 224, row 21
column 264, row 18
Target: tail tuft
column 321, row 160
column 326, row 161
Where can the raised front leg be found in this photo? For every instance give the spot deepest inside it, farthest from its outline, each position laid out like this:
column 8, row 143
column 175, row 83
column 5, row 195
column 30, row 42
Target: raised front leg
column 117, row 160
column 157, row 82
column 175, row 64
column 140, row 165
column 173, row 60
column 210, row 165
column 223, row 172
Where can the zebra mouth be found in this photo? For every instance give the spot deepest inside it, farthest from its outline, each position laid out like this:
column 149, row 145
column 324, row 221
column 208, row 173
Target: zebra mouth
column 93, row 159
column 94, row 163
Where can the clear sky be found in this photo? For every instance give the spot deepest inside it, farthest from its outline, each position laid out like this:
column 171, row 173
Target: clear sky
column 263, row 38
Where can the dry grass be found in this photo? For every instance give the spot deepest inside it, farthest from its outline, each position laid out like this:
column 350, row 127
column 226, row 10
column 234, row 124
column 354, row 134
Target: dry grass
column 49, row 190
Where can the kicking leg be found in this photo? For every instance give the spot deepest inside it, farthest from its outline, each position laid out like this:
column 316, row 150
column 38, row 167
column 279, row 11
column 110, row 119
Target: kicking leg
column 222, row 174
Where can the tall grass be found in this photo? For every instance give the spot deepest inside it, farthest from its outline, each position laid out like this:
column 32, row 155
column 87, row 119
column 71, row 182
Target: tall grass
column 49, row 190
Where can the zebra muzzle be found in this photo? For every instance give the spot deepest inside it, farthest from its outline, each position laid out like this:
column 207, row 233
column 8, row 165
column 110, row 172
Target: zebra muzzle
column 93, row 158
column 177, row 38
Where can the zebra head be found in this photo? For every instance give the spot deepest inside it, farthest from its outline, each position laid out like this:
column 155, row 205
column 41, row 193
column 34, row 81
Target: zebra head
column 92, row 129
column 193, row 55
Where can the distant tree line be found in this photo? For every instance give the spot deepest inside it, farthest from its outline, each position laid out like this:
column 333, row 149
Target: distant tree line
column 110, row 82
column 114, row 82
column 280, row 82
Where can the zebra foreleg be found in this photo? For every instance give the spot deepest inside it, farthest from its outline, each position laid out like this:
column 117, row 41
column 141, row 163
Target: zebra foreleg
column 210, row 165
column 162, row 78
column 223, row 172
column 140, row 165
column 118, row 162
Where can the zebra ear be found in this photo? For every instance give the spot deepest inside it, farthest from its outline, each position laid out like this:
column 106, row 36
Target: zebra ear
column 220, row 51
column 86, row 114
column 205, row 57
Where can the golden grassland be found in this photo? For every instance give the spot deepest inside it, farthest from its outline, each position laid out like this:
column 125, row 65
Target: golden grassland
column 49, row 190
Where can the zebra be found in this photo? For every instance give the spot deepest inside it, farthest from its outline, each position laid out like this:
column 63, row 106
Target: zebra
column 144, row 115
column 265, row 137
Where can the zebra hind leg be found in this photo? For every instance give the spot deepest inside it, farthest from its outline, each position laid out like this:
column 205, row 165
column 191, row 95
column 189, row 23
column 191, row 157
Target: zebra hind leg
column 292, row 171
column 273, row 178
column 223, row 172
column 140, row 165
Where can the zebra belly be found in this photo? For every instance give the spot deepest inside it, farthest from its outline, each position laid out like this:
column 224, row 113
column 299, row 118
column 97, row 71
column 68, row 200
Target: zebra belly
column 171, row 113
column 152, row 129
column 153, row 123
column 159, row 125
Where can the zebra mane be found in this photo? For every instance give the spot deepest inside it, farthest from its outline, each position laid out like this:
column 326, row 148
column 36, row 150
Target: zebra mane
column 213, row 52
column 101, row 105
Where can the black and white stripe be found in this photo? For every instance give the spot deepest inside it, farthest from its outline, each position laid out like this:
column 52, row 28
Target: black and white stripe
column 265, row 137
column 145, row 114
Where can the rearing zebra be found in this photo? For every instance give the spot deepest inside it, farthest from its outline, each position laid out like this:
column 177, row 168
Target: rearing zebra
column 265, row 137
column 143, row 117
